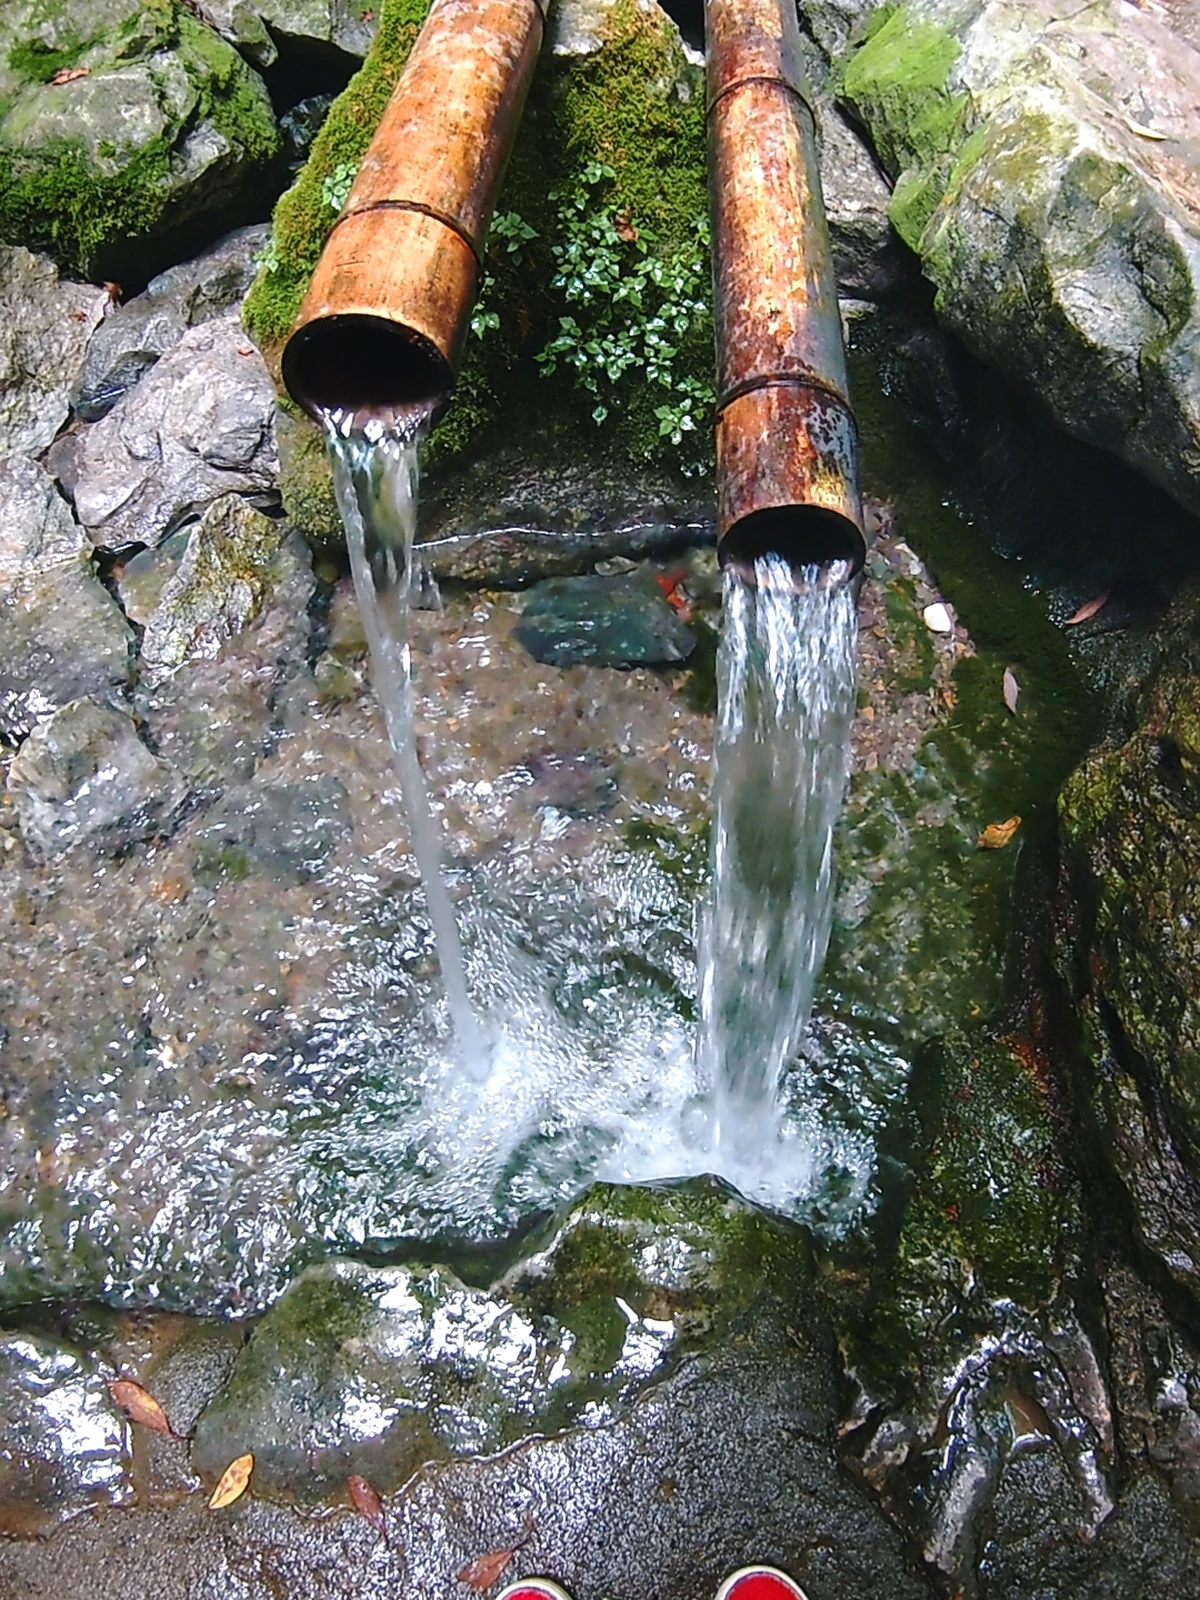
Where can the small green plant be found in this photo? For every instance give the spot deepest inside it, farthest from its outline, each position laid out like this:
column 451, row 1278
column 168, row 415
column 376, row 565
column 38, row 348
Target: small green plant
column 630, row 313
column 335, row 189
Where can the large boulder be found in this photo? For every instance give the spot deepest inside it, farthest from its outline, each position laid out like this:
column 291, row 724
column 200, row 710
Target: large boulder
column 1129, row 947
column 1044, row 168
column 200, row 425
column 120, row 124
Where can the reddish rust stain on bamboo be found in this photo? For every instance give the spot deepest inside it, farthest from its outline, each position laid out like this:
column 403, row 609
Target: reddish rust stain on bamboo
column 383, row 322
column 787, row 472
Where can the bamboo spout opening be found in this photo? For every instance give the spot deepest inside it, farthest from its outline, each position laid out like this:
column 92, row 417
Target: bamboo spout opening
column 366, row 366
column 804, row 536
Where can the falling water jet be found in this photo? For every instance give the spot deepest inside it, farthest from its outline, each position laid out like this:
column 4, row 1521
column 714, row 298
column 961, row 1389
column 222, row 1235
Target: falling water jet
column 375, row 469
column 785, row 674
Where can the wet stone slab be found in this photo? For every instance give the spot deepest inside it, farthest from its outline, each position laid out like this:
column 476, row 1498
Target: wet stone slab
column 64, row 1446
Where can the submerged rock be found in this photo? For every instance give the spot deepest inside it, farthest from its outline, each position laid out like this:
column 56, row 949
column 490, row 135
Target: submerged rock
column 234, row 559
column 120, row 124
column 132, row 338
column 610, row 621
column 85, row 774
column 286, row 831
column 200, row 425
column 64, row 1445
column 61, row 633
column 1043, row 166
column 45, row 325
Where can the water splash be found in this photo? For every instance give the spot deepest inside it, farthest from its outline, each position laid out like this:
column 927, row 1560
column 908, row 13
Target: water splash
column 375, row 475
column 785, row 689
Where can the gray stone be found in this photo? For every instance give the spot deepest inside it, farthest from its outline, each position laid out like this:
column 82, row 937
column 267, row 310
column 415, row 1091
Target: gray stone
column 613, row 622
column 869, row 258
column 61, row 633
column 286, row 831
column 44, row 330
column 1043, row 168
column 84, row 774
column 162, row 125
column 255, row 25
column 232, row 562
column 64, row 1446
column 199, row 426
column 132, row 338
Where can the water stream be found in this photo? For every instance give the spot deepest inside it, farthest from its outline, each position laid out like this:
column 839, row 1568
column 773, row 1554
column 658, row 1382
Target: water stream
column 376, row 475
column 785, row 691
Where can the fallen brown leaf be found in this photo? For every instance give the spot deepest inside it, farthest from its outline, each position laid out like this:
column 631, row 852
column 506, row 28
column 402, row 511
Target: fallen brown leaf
column 113, row 290
column 245, row 349
column 623, row 223
column 140, row 1405
column 69, row 75
column 997, row 834
column 366, row 1500
column 484, row 1571
column 233, row 1483
column 1088, row 610
column 1011, row 690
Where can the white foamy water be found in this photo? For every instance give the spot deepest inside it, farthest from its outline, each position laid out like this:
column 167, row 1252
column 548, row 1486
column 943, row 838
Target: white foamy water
column 785, row 694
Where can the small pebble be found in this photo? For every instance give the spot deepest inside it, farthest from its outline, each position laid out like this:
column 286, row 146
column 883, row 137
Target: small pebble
column 937, row 618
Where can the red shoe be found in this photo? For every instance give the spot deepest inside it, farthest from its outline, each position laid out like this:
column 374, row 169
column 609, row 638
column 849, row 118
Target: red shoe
column 760, row 1583
column 534, row 1589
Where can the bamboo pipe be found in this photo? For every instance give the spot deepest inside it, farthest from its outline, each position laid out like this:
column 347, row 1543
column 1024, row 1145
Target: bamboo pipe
column 787, row 452
column 381, row 329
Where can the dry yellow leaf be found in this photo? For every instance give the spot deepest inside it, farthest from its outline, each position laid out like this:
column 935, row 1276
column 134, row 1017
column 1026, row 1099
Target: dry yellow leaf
column 233, row 1483
column 997, row 834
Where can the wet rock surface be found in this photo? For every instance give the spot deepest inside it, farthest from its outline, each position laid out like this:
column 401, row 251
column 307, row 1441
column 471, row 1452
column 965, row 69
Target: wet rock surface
column 61, row 633
column 1127, row 819
column 85, row 774
column 234, row 559
column 45, row 325
column 201, row 425
column 64, row 1447
column 370, row 1371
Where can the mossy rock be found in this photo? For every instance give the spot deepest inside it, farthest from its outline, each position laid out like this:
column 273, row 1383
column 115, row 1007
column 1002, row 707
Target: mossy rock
column 1129, row 948
column 1045, row 214
column 163, row 132
column 372, row 1370
column 611, row 140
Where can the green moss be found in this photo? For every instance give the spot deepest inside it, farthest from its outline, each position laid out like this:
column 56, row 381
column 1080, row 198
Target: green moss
column 303, row 217
column 38, row 62
column 62, row 205
column 230, row 94
column 993, row 1216
column 896, row 81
